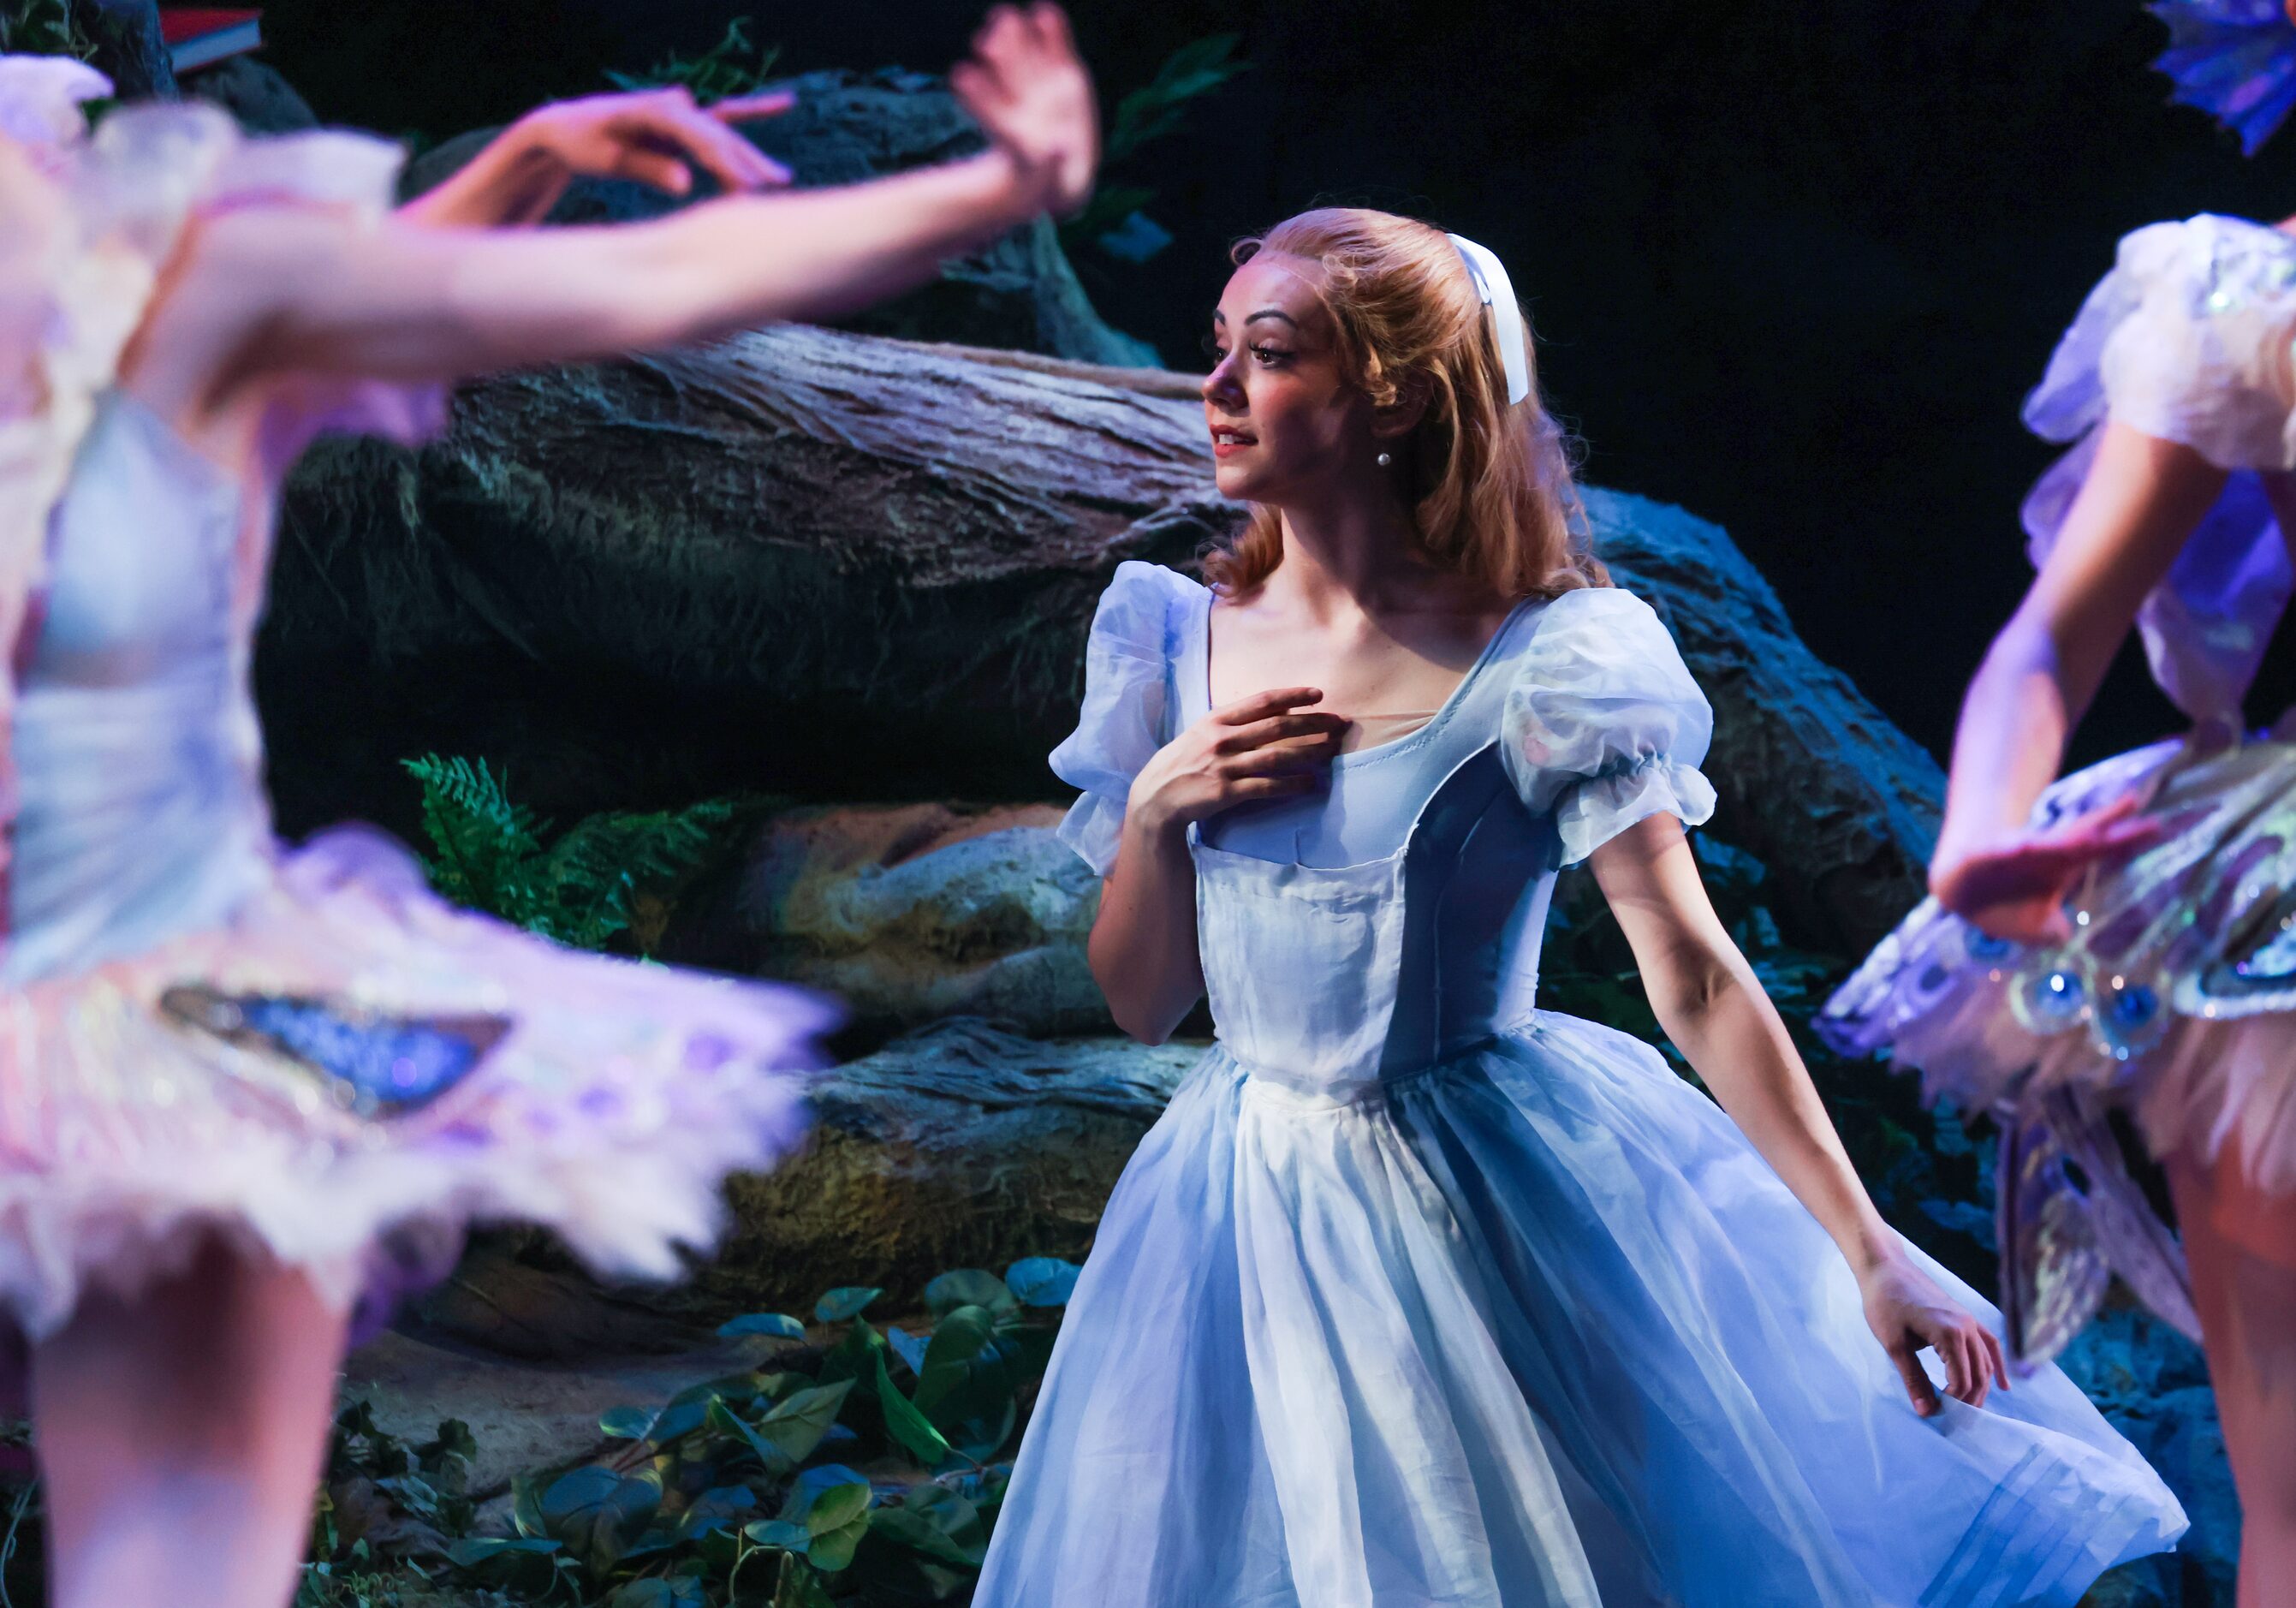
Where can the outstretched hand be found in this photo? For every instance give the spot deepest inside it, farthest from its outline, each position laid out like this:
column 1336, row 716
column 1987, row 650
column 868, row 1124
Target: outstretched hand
column 1030, row 95
column 2017, row 889
column 659, row 138
column 1908, row 1314
column 655, row 136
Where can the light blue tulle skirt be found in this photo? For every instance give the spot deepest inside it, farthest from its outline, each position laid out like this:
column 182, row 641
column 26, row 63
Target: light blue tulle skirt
column 1535, row 1327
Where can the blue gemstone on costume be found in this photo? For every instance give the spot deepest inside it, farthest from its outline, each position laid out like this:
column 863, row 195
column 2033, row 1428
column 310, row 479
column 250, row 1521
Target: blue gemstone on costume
column 372, row 1062
column 2050, row 1001
column 389, row 1061
column 2133, row 1006
column 2128, row 1019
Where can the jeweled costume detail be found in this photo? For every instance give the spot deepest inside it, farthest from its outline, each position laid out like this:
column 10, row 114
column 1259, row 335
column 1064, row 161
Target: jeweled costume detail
column 1419, row 1294
column 2173, row 999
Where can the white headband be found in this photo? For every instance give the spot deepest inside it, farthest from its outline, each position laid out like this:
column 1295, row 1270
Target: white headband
column 1483, row 267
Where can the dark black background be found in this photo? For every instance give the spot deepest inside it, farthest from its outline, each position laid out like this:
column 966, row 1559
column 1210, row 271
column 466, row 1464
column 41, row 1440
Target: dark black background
column 1794, row 262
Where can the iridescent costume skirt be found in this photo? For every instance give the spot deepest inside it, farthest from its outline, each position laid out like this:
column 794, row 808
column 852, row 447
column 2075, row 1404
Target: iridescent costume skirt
column 349, row 1073
column 2171, row 1003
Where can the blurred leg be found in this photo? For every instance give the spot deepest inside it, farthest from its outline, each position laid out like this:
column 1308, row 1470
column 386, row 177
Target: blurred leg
column 181, row 1436
column 2241, row 1244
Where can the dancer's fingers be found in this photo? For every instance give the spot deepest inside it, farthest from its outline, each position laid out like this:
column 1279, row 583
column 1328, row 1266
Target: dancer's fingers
column 978, row 90
column 1001, row 43
column 1322, row 730
column 749, row 108
column 1052, row 29
column 709, row 141
column 1994, row 1354
column 664, row 173
column 1261, row 706
column 1917, row 1377
column 1950, row 1352
column 1976, row 1378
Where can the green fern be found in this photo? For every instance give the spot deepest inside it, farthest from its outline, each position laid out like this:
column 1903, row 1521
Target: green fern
column 733, row 66
column 1151, row 111
column 580, row 888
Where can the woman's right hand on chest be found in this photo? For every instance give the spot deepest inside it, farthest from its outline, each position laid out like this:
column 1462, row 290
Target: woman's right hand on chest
column 1266, row 746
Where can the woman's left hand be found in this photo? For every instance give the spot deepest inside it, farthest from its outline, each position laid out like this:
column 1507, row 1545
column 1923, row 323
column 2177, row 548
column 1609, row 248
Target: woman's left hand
column 658, row 138
column 655, row 136
column 1907, row 1312
column 2017, row 889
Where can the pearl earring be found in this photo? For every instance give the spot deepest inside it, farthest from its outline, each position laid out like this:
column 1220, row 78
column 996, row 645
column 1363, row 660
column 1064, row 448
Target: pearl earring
column 1385, row 459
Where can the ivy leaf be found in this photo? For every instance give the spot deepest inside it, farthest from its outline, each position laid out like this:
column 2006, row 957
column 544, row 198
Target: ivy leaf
column 526, row 1508
column 835, row 1507
column 1042, row 1281
column 600, row 1513
column 786, row 1436
column 797, row 1425
column 627, row 1423
column 843, row 1303
column 835, row 1520
column 720, row 1505
column 909, row 1348
column 969, row 1287
column 912, row 1429
column 957, row 1341
column 811, row 1483
column 778, row 1325
column 785, row 1533
column 937, row 1522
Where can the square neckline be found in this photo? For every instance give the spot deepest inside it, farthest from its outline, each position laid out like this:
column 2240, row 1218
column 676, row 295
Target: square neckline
column 1203, row 680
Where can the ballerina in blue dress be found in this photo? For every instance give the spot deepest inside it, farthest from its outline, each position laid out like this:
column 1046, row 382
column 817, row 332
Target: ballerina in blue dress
column 1416, row 1294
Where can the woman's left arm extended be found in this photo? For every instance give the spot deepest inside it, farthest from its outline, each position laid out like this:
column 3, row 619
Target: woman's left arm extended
column 1712, row 1006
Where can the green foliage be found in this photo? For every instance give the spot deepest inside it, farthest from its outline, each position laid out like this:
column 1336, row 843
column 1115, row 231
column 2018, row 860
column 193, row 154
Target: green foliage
column 731, row 66
column 41, row 27
column 583, row 887
column 1158, row 108
column 1115, row 218
column 744, row 1489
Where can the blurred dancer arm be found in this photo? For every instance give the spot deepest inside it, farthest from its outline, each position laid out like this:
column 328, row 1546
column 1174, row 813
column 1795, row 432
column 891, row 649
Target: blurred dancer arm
column 658, row 138
column 271, row 290
column 2141, row 501
column 1713, row 1008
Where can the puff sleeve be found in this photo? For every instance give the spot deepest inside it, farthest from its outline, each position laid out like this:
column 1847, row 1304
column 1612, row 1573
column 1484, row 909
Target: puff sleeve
column 1127, row 703
column 1602, row 725
column 2186, row 339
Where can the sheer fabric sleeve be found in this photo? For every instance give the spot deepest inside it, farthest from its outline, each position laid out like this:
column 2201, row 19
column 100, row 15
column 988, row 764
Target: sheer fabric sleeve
column 1603, row 726
column 2187, row 340
column 1128, row 698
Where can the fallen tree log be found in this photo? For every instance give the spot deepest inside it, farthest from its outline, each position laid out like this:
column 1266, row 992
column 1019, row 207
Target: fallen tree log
column 842, row 567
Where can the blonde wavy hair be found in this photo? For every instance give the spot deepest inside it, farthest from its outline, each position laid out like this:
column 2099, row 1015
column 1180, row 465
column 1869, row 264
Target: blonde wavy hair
column 1490, row 485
